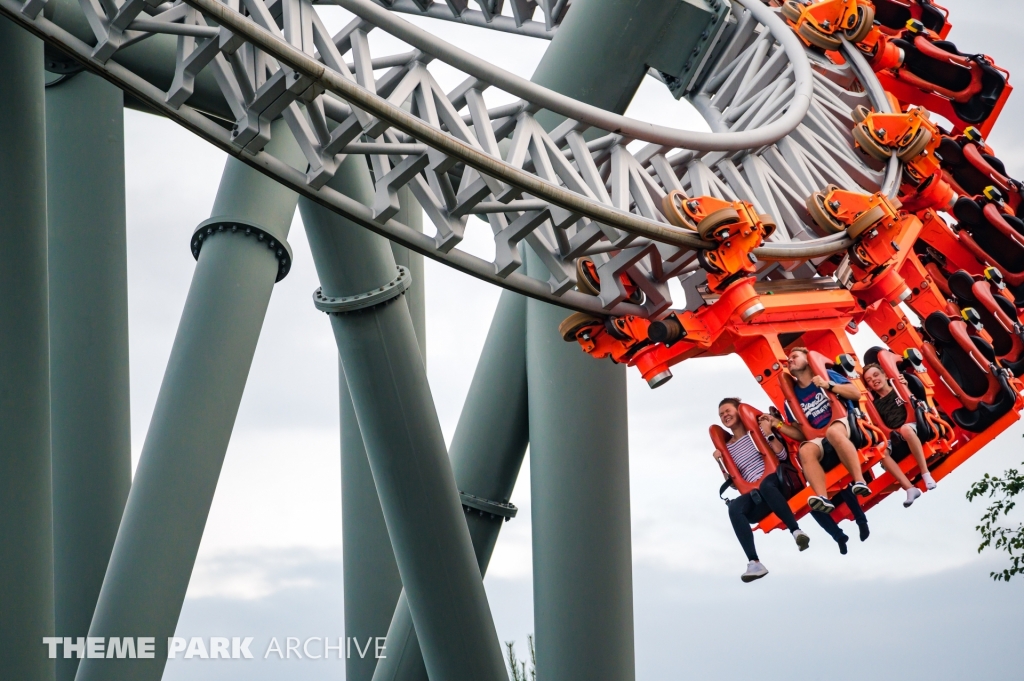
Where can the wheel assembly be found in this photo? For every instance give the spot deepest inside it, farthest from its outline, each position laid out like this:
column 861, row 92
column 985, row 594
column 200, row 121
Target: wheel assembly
column 575, row 323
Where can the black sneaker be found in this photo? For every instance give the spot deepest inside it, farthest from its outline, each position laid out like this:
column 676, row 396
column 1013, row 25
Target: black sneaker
column 860, row 489
column 864, row 531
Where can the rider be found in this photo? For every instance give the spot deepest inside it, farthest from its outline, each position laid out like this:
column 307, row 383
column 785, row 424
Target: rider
column 893, row 411
column 752, row 508
column 818, row 453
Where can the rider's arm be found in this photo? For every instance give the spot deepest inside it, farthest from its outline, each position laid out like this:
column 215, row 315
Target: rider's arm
column 721, row 466
column 838, row 385
column 790, row 431
column 764, row 421
column 847, row 391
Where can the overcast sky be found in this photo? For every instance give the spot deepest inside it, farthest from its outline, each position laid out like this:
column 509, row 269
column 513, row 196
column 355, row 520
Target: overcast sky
column 914, row 601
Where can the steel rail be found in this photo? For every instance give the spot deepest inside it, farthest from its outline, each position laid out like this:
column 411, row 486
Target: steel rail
column 202, row 126
column 472, row 17
column 446, row 143
column 597, row 117
column 417, row 128
column 875, row 92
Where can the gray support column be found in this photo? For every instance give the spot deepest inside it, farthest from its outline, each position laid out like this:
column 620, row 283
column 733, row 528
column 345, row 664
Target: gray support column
column 603, row 48
column 416, row 296
column 579, row 492
column 371, row 580
column 486, row 453
column 26, row 537
column 404, row 445
column 174, row 484
column 579, row 448
column 89, row 398
column 494, row 429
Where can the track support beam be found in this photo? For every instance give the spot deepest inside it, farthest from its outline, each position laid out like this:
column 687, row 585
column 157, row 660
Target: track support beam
column 371, row 580
column 404, row 444
column 145, row 584
column 487, row 452
column 89, row 386
column 26, row 536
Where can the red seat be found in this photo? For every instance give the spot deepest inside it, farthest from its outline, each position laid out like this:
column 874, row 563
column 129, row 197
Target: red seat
column 866, row 437
column 993, row 237
column 971, row 166
column 996, row 314
column 720, row 436
column 969, row 81
column 967, row 365
column 935, row 434
column 893, row 15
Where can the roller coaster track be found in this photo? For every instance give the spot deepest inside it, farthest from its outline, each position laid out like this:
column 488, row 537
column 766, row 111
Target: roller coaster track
column 780, row 116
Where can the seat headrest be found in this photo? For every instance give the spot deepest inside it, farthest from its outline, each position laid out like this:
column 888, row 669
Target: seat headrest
column 961, row 283
column 950, row 151
column 937, row 326
column 985, row 347
column 967, row 210
column 871, row 356
column 916, row 386
column 1015, row 222
column 1006, row 306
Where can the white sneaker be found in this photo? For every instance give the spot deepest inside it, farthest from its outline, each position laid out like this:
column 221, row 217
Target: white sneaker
column 912, row 494
column 802, row 540
column 754, row 571
column 929, row 482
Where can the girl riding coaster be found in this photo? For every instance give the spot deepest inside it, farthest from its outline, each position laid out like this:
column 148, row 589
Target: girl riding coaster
column 764, row 482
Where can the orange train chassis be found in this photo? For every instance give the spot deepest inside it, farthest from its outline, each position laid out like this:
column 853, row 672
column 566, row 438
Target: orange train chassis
column 902, row 255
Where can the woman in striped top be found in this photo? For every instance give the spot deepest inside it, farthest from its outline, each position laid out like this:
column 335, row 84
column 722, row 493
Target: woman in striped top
column 755, row 506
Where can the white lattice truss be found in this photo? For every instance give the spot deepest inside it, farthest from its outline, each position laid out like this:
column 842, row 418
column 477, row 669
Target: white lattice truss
column 780, row 115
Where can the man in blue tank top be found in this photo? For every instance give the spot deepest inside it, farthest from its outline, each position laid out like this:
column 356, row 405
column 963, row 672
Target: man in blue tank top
column 816, row 455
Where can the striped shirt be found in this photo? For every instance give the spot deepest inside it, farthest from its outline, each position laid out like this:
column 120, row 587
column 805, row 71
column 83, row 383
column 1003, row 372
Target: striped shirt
column 748, row 459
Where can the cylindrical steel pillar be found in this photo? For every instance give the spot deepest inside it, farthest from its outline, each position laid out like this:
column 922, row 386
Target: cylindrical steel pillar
column 371, row 580
column 486, row 454
column 89, row 399
column 404, row 445
column 579, row 446
column 601, row 50
column 494, row 429
column 411, row 214
column 26, row 537
column 579, row 495
column 174, row 484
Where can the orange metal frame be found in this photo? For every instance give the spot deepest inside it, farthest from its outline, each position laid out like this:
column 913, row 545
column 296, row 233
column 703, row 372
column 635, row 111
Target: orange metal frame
column 901, row 258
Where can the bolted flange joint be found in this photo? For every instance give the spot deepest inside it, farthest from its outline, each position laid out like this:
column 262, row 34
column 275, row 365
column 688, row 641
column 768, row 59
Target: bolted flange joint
column 362, row 301
column 492, row 509
column 279, row 247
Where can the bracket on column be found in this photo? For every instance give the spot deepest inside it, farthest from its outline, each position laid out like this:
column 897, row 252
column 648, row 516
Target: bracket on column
column 495, row 509
column 361, row 301
column 279, row 247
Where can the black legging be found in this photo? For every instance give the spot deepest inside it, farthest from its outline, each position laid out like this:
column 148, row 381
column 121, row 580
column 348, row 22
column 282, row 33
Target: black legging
column 743, row 512
column 830, row 525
